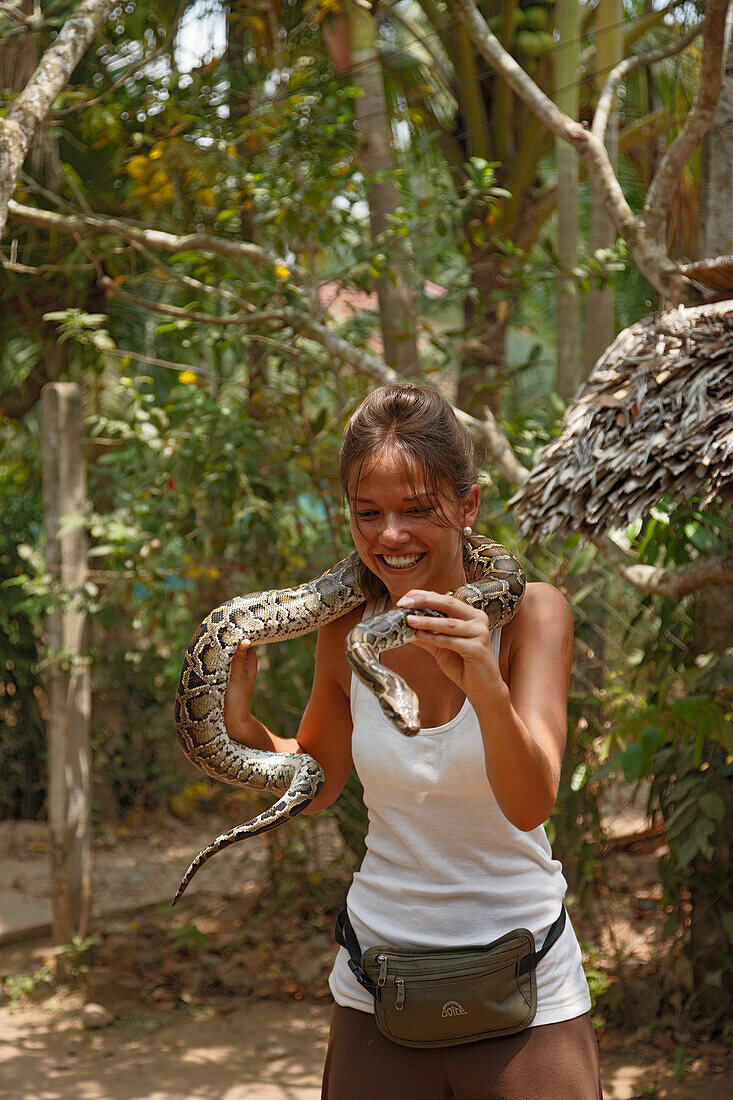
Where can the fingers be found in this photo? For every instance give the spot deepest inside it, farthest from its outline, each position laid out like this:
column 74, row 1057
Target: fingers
column 446, row 634
column 456, row 618
column 244, row 663
column 418, row 599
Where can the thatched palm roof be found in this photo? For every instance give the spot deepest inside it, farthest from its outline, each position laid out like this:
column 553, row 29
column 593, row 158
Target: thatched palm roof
column 715, row 274
column 655, row 418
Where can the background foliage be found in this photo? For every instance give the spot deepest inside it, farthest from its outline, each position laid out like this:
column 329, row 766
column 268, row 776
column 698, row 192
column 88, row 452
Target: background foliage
column 212, row 442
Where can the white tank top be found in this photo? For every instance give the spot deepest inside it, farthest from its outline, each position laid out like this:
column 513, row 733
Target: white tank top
column 443, row 866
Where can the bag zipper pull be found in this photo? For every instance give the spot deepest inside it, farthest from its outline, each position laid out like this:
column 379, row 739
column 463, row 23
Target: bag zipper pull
column 399, row 1003
column 382, row 960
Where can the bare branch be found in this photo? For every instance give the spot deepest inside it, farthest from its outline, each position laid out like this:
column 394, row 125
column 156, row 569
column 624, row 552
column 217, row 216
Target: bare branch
column 676, row 582
column 628, row 65
column 156, row 239
column 182, row 313
column 712, row 78
column 487, row 432
column 646, row 250
column 503, row 63
column 30, row 109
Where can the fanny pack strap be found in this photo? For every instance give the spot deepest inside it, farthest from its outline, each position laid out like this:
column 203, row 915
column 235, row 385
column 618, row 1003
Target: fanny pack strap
column 529, row 962
column 346, row 937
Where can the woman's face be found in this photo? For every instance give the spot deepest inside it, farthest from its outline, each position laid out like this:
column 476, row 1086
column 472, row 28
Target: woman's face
column 397, row 532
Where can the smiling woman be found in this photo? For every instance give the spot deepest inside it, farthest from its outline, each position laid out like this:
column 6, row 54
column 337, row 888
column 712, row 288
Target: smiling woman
column 456, row 852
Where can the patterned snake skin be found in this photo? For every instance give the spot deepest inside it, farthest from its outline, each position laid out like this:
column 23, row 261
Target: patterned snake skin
column 495, row 584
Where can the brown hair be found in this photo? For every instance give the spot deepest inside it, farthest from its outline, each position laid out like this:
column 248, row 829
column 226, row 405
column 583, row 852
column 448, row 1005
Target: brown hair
column 417, row 424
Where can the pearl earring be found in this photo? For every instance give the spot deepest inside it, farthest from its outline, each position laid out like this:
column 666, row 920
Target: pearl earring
column 468, row 531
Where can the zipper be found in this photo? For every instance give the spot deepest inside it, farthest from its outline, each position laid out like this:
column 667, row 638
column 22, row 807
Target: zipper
column 469, row 968
column 399, row 1003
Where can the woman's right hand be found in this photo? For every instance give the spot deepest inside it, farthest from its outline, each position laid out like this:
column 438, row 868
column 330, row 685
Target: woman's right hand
column 242, row 677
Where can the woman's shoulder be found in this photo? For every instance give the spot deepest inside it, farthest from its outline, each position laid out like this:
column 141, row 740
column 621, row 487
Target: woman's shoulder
column 543, row 599
column 339, row 628
column 543, row 614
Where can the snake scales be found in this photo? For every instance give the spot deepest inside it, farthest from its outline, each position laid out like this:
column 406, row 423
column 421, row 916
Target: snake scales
column 495, row 583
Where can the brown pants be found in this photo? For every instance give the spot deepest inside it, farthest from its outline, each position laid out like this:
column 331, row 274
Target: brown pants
column 551, row 1062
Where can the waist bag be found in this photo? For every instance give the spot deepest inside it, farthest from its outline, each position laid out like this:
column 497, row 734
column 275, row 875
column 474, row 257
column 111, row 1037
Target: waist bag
column 438, row 998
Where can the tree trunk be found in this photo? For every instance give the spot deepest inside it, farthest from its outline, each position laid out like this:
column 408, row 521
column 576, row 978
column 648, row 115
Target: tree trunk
column 711, row 895
column 716, row 178
column 485, row 323
column 569, row 371
column 240, row 106
column 600, row 302
column 396, row 313
column 713, row 611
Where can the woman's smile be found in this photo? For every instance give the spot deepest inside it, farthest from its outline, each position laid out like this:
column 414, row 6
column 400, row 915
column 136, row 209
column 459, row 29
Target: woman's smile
column 401, row 561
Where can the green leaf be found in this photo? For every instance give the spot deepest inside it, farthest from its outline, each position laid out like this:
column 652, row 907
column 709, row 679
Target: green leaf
column 635, row 763
column 683, row 818
column 713, row 805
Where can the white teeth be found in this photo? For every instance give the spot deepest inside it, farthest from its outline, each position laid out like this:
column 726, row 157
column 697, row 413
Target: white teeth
column 401, row 561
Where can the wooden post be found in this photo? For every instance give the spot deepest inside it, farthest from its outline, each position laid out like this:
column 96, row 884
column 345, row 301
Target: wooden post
column 68, row 682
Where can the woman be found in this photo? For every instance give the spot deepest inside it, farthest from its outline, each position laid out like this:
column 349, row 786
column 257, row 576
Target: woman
column 456, row 852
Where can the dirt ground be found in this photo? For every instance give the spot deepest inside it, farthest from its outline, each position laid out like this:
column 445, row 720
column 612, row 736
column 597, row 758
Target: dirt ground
column 225, row 997
column 261, row 1050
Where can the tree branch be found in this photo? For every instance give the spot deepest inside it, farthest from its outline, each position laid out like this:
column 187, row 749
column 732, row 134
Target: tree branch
column 712, row 78
column 90, row 225
column 646, row 250
column 241, row 319
column 676, row 582
column 487, row 431
column 30, row 109
column 628, row 65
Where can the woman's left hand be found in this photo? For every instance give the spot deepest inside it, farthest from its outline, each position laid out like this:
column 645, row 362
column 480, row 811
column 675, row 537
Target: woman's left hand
column 460, row 642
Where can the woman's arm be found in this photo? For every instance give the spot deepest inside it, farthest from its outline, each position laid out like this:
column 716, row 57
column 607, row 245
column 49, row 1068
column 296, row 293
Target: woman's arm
column 325, row 728
column 326, row 725
column 524, row 723
column 241, row 724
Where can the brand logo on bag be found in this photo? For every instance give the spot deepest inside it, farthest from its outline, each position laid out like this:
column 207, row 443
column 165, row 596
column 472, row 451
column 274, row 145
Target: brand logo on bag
column 453, row 1008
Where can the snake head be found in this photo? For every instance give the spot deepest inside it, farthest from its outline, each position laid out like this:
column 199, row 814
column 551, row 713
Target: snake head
column 401, row 707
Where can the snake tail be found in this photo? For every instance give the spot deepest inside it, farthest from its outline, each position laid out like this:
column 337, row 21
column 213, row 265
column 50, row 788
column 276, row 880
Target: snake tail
column 308, row 778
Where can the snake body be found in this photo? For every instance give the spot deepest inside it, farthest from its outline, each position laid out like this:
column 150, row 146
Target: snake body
column 495, row 584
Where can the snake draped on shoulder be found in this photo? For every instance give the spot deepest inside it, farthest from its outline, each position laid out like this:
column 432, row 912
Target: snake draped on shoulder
column 495, row 584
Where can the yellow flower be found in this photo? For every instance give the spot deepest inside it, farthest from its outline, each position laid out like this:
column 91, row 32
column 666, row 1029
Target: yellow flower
column 282, row 271
column 159, row 178
column 187, row 378
column 138, row 168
